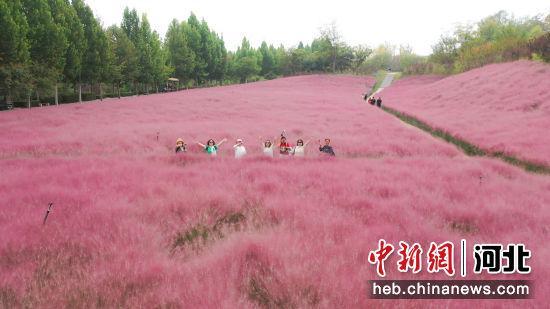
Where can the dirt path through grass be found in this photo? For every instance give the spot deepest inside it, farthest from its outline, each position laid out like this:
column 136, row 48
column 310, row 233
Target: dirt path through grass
column 467, row 147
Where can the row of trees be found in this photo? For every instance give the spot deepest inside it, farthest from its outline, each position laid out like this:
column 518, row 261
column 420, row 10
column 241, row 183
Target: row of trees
column 326, row 53
column 47, row 45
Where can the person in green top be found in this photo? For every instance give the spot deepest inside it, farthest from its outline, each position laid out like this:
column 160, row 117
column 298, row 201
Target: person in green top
column 211, row 148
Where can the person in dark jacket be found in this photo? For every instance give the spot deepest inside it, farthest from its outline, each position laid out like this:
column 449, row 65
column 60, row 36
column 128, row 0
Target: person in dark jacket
column 326, row 148
column 379, row 102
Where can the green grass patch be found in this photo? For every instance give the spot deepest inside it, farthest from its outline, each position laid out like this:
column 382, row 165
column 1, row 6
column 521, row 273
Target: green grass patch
column 526, row 165
column 467, row 147
column 199, row 234
column 379, row 77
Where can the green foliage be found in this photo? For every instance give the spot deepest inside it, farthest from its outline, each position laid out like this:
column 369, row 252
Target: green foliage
column 95, row 54
column 499, row 37
column 47, row 41
column 540, row 47
column 268, row 60
column 181, row 57
column 67, row 45
column 246, row 62
column 124, row 66
column 14, row 48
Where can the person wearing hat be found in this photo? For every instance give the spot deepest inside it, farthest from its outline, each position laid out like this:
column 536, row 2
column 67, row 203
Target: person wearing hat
column 240, row 151
column 180, row 146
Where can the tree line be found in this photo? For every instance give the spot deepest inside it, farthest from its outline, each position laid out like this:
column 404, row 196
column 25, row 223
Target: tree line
column 58, row 51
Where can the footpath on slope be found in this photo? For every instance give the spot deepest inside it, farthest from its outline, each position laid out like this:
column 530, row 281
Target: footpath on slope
column 468, row 148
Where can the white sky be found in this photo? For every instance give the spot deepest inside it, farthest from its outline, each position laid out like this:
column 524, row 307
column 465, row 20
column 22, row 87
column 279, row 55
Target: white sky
column 418, row 23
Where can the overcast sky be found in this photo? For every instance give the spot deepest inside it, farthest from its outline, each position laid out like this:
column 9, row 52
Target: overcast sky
column 417, row 23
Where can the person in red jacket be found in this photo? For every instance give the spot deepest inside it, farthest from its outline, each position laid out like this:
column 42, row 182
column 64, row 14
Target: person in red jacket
column 284, row 147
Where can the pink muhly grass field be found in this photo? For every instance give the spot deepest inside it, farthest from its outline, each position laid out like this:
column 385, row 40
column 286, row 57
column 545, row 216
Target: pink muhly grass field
column 282, row 232
column 500, row 107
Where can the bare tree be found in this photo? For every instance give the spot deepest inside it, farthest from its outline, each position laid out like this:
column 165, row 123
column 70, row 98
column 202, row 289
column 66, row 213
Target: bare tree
column 331, row 34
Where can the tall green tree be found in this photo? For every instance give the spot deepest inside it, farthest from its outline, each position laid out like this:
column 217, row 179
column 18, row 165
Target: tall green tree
column 48, row 45
column 95, row 54
column 247, row 61
column 125, row 65
column 76, row 40
column 131, row 25
column 159, row 70
column 14, row 49
column 195, row 42
column 65, row 17
column 144, row 46
column 268, row 60
column 218, row 66
column 180, row 57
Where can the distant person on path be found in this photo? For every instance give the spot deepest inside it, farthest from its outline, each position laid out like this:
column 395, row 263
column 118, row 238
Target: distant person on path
column 326, row 148
column 379, row 102
column 180, row 146
column 240, row 151
column 300, row 149
column 372, row 100
column 211, row 148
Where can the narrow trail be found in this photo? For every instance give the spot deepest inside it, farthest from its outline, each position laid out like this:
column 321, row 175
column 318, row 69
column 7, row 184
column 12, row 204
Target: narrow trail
column 467, row 147
column 388, row 79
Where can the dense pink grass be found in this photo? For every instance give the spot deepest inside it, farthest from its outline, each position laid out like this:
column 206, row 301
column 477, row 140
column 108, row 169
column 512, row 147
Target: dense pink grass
column 121, row 198
column 500, row 107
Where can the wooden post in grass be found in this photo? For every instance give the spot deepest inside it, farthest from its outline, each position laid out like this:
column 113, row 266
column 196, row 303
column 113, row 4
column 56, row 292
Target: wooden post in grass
column 79, row 92
column 56, row 95
column 47, row 213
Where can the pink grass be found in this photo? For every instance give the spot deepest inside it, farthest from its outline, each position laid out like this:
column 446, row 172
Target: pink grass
column 121, row 198
column 500, row 107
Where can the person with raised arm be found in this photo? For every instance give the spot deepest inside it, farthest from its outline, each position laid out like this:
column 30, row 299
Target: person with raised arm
column 284, row 146
column 211, row 148
column 267, row 146
column 300, row 149
column 240, row 150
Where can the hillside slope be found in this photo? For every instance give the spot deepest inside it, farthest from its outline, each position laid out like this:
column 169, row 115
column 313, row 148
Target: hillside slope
column 500, row 107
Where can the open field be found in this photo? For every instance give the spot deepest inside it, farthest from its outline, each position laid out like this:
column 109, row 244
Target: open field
column 134, row 225
column 499, row 107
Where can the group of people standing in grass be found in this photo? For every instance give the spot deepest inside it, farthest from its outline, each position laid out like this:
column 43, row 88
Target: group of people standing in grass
column 280, row 145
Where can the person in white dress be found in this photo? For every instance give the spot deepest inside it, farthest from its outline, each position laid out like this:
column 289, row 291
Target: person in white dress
column 300, row 149
column 267, row 147
column 240, row 150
